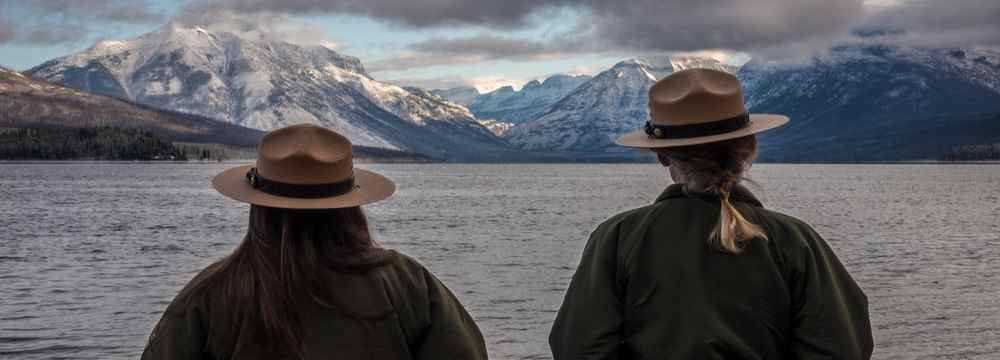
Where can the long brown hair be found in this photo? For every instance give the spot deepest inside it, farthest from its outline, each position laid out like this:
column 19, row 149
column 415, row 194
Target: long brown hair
column 280, row 261
column 719, row 166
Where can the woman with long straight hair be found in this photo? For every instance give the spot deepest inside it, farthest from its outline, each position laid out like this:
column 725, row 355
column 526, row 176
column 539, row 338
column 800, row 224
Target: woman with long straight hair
column 706, row 272
column 308, row 280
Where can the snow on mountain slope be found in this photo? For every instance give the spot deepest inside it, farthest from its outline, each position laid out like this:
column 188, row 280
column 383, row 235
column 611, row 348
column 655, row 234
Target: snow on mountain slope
column 497, row 127
column 29, row 103
column 611, row 103
column 507, row 105
column 265, row 84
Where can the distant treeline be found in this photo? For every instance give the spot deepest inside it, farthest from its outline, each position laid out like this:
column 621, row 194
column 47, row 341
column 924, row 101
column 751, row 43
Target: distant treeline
column 97, row 143
column 214, row 152
column 373, row 154
column 974, row 153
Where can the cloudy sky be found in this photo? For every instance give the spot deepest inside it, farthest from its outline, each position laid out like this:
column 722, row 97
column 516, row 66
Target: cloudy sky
column 488, row 43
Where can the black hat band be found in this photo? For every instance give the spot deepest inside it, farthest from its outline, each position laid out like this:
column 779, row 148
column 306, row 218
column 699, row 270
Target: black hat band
column 310, row 191
column 697, row 130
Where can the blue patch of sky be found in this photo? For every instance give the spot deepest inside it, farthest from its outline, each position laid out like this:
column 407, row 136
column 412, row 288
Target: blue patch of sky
column 20, row 56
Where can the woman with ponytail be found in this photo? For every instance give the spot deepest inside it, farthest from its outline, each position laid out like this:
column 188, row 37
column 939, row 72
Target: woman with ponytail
column 706, row 272
column 308, row 281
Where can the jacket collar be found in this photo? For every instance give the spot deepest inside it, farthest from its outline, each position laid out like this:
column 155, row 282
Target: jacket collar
column 740, row 193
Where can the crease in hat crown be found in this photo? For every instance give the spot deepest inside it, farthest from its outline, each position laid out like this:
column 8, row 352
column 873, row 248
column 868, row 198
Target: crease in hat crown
column 697, row 106
column 305, row 154
column 694, row 96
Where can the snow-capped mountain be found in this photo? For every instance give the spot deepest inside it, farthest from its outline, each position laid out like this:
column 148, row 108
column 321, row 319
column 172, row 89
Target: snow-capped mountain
column 464, row 96
column 611, row 103
column 877, row 102
column 517, row 106
column 29, row 103
column 264, row 84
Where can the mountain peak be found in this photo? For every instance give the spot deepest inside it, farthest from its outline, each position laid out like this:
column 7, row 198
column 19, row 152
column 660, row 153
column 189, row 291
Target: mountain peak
column 507, row 105
column 264, row 83
column 630, row 62
column 532, row 84
column 605, row 106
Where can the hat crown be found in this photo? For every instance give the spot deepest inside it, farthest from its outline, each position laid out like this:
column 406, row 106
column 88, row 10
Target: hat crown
column 305, row 154
column 695, row 96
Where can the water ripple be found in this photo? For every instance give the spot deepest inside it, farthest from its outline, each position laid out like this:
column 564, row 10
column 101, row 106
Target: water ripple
column 101, row 248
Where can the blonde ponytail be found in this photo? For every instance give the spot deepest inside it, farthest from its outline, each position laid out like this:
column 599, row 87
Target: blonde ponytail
column 720, row 164
column 733, row 229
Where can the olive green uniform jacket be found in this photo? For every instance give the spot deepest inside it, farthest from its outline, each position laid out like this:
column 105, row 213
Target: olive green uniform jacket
column 650, row 287
column 396, row 310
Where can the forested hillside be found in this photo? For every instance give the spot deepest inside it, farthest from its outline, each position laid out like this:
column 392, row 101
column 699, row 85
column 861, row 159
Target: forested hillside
column 96, row 143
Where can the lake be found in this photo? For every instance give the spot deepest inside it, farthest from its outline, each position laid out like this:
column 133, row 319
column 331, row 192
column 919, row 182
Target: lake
column 91, row 253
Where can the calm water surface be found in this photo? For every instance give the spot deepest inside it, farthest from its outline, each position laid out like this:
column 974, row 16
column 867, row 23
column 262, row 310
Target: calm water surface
column 91, row 253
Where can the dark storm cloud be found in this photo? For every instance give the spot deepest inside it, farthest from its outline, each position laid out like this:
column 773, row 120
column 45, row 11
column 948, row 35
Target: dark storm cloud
column 413, row 13
column 942, row 23
column 6, row 31
column 637, row 24
column 52, row 34
column 40, row 34
column 477, row 49
column 50, row 22
column 489, row 46
column 126, row 11
column 720, row 24
column 421, row 60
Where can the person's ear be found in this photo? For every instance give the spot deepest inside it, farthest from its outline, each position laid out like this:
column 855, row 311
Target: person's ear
column 664, row 160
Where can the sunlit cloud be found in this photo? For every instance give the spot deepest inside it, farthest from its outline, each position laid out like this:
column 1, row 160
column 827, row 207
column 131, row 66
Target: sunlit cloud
column 483, row 84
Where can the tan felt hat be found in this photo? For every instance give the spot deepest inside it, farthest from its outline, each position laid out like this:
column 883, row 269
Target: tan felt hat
column 697, row 106
column 303, row 167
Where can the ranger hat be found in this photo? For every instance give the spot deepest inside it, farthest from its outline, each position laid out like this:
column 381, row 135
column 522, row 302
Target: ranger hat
column 697, row 106
column 303, row 167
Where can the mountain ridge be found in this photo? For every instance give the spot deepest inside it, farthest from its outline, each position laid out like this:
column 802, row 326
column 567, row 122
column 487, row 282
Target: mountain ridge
column 518, row 106
column 265, row 84
column 855, row 96
column 27, row 102
column 609, row 104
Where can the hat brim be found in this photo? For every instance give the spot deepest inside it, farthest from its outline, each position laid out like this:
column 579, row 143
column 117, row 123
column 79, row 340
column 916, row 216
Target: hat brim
column 758, row 123
column 369, row 187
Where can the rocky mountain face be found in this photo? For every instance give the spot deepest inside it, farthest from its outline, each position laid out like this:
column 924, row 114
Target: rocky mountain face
column 596, row 112
column 464, row 96
column 29, row 103
column 517, row 106
column 877, row 102
column 497, row 127
column 265, row 84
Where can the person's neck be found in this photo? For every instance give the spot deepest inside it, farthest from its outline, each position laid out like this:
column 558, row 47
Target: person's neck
column 679, row 177
column 694, row 187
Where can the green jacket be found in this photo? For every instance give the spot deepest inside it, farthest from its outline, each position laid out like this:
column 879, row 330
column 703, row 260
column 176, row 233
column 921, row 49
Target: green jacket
column 649, row 287
column 397, row 310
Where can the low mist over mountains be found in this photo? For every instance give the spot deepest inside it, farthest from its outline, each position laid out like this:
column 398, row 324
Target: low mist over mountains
column 265, row 84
